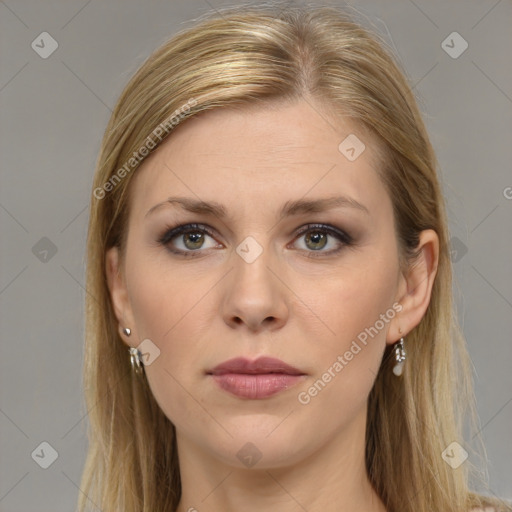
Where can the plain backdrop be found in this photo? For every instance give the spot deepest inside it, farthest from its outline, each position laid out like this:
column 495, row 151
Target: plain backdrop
column 53, row 114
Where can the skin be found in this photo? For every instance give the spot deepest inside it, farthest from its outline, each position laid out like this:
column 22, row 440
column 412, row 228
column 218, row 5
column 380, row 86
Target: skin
column 306, row 311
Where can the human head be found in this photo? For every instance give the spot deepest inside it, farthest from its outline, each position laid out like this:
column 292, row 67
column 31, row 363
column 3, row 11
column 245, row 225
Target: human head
column 321, row 56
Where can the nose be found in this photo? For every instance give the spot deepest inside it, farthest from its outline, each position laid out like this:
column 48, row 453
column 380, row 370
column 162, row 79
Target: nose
column 254, row 296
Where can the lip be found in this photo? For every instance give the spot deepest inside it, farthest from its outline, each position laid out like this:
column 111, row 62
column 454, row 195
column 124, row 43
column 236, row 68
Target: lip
column 256, row 379
column 262, row 365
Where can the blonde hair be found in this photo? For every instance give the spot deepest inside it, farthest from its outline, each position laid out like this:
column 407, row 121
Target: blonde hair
column 254, row 55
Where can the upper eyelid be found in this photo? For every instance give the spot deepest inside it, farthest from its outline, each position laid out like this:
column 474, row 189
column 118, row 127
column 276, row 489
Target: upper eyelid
column 210, row 230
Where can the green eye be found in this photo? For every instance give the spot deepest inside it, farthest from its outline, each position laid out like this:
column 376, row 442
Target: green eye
column 195, row 239
column 192, row 237
column 317, row 239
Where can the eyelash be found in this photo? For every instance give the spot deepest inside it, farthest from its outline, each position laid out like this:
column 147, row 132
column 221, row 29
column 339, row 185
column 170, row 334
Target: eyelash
column 172, row 232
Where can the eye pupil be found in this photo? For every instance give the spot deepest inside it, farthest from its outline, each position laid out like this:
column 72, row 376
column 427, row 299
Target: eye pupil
column 197, row 239
column 316, row 237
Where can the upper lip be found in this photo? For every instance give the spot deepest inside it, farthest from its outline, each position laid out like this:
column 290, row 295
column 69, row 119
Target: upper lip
column 262, row 365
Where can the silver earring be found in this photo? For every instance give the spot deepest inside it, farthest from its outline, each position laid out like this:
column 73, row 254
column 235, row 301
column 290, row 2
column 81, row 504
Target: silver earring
column 136, row 360
column 399, row 357
column 127, row 331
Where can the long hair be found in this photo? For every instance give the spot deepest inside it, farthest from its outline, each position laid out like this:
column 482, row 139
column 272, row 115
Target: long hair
column 255, row 55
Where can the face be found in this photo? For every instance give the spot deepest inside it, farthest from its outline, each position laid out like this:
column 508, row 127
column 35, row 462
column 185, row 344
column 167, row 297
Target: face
column 301, row 265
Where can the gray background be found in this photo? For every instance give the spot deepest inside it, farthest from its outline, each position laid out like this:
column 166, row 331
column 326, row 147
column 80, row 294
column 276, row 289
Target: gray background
column 53, row 113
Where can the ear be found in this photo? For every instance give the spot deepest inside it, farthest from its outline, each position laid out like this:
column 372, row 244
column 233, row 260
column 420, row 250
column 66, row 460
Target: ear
column 119, row 295
column 415, row 287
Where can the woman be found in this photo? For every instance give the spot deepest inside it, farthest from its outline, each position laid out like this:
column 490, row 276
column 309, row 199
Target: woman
column 269, row 317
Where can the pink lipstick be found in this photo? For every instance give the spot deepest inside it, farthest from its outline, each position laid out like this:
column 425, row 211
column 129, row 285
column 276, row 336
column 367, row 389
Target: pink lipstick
column 257, row 379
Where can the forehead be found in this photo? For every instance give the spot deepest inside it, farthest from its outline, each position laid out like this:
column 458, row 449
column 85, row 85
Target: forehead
column 260, row 156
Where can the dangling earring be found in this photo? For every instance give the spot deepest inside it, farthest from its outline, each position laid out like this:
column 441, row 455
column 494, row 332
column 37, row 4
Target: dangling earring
column 399, row 357
column 135, row 355
column 136, row 360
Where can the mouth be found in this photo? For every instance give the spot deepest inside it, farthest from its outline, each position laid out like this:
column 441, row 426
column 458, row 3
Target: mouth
column 257, row 379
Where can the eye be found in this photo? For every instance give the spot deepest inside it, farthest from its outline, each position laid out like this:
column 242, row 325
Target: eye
column 189, row 239
column 318, row 236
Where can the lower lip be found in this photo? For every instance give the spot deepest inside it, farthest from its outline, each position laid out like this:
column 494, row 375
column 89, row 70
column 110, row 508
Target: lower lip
column 255, row 386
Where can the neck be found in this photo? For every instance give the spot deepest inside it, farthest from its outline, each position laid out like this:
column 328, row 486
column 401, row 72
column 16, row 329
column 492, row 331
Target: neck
column 333, row 479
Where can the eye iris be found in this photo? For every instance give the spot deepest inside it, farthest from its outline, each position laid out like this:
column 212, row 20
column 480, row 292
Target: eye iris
column 195, row 238
column 316, row 237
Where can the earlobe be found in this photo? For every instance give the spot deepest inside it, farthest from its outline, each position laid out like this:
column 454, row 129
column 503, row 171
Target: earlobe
column 416, row 284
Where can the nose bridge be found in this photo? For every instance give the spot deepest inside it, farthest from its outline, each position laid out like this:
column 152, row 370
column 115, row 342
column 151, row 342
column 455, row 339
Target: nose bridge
column 252, row 258
column 255, row 294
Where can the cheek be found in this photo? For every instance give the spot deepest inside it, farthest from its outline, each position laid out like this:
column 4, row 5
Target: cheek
column 348, row 302
column 358, row 309
column 166, row 311
column 164, row 300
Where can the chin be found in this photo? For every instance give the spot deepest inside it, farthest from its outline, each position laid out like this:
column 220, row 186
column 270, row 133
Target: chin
column 260, row 441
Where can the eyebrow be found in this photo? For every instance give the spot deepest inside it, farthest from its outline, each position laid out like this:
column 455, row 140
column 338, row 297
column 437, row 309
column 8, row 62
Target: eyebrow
column 289, row 208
